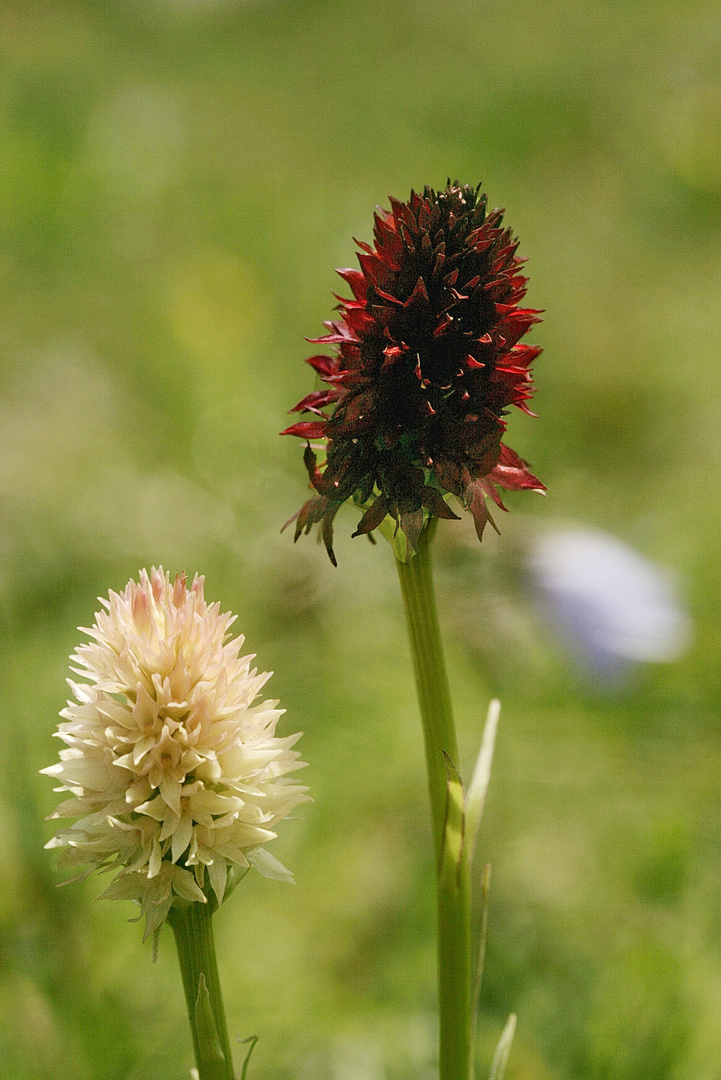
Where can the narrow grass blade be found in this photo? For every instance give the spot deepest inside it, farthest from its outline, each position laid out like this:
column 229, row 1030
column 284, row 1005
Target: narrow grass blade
column 500, row 1058
column 476, row 797
column 478, row 976
column 252, row 1039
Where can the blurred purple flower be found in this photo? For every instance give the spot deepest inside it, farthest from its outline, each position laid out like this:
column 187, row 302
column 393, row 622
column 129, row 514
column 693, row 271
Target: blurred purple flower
column 612, row 606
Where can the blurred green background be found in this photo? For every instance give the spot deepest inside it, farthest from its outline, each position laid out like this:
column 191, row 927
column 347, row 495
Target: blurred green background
column 177, row 182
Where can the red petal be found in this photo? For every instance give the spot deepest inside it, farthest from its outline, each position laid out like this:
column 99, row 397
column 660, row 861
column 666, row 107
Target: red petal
column 437, row 505
column 524, row 355
column 307, row 429
column 324, row 365
column 403, row 213
column 512, row 473
column 419, row 296
column 357, row 282
column 314, row 402
column 327, row 532
column 477, row 506
column 359, row 320
column 370, row 264
column 443, row 324
column 339, row 335
column 373, row 516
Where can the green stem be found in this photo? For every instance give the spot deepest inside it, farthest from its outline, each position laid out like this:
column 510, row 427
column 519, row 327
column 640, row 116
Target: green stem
column 193, row 929
column 441, row 748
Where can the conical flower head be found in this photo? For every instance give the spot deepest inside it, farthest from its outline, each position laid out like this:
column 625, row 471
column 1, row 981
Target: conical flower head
column 171, row 759
column 427, row 361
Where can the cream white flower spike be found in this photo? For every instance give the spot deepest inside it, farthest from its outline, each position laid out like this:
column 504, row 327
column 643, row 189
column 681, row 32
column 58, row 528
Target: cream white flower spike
column 171, row 759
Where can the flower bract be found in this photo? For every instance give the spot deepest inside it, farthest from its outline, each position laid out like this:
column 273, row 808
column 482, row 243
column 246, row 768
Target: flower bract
column 171, row 760
column 427, row 361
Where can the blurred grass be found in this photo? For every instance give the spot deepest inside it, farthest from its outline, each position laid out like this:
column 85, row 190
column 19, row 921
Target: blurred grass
column 177, row 181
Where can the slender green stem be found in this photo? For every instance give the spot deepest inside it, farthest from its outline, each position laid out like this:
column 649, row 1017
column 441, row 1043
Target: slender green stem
column 434, row 696
column 193, row 929
column 454, row 919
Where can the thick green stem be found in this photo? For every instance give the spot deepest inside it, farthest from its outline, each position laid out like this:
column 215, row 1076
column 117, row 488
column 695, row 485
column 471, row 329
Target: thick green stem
column 454, row 918
column 193, row 929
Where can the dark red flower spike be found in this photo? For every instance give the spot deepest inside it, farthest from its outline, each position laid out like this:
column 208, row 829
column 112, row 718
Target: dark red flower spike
column 426, row 364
